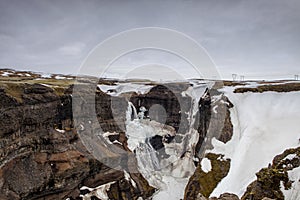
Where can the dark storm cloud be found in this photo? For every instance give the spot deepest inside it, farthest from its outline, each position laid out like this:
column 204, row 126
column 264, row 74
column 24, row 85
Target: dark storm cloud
column 246, row 37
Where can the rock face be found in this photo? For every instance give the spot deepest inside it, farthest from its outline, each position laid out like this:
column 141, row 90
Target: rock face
column 214, row 121
column 226, row 196
column 203, row 118
column 42, row 156
column 268, row 183
column 169, row 97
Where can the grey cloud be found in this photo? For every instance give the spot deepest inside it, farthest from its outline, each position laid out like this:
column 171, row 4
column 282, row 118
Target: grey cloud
column 256, row 37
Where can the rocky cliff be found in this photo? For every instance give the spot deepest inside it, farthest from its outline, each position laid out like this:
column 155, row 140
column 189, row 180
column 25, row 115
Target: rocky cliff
column 41, row 154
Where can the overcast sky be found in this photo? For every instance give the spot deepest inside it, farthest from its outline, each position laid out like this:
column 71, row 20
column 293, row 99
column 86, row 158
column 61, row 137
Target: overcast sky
column 253, row 38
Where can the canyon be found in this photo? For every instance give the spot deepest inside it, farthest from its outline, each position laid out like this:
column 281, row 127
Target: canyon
column 66, row 137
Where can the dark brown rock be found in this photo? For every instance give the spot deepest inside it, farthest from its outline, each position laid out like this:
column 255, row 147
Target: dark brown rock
column 203, row 119
column 269, row 179
column 39, row 162
column 170, row 98
column 228, row 196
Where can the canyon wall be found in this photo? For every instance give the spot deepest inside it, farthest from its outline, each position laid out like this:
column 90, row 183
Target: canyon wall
column 42, row 156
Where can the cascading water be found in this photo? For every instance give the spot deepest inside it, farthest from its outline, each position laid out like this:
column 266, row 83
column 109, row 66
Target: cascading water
column 131, row 113
column 170, row 175
column 138, row 139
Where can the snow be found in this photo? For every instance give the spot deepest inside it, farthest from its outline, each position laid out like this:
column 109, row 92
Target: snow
column 100, row 191
column 206, row 165
column 106, row 137
column 60, row 131
column 58, row 77
column 290, row 156
column 128, row 178
column 106, row 134
column 138, row 130
column 174, row 188
column 294, row 192
column 265, row 124
column 117, row 142
column 6, row 73
column 169, row 175
column 45, row 75
column 215, row 109
column 124, row 88
column 46, row 85
column 183, row 167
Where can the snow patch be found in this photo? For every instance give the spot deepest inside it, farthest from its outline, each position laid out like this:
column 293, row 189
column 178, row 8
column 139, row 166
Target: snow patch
column 294, row 192
column 6, row 73
column 290, row 156
column 215, row 109
column 129, row 179
column 174, row 188
column 117, row 142
column 60, row 130
column 206, row 165
column 45, row 75
column 100, row 191
column 116, row 90
column 58, row 77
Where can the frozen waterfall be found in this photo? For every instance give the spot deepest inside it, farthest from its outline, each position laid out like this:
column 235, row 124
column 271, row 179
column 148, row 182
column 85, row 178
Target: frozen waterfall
column 170, row 175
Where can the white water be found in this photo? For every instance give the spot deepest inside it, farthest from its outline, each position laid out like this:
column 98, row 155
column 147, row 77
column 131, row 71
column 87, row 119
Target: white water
column 169, row 175
column 131, row 113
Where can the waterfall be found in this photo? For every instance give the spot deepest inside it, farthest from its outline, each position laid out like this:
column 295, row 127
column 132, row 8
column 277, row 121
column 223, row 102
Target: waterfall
column 139, row 131
column 180, row 164
column 192, row 137
column 147, row 157
column 131, row 113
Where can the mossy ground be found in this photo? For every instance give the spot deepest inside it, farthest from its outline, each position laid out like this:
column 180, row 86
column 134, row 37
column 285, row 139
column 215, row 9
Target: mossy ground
column 205, row 183
column 284, row 87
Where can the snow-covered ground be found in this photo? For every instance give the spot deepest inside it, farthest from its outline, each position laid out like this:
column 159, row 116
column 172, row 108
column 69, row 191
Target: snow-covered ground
column 265, row 124
column 294, row 192
column 6, row 74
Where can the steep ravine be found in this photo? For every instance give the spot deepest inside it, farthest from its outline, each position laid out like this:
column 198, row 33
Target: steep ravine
column 42, row 156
